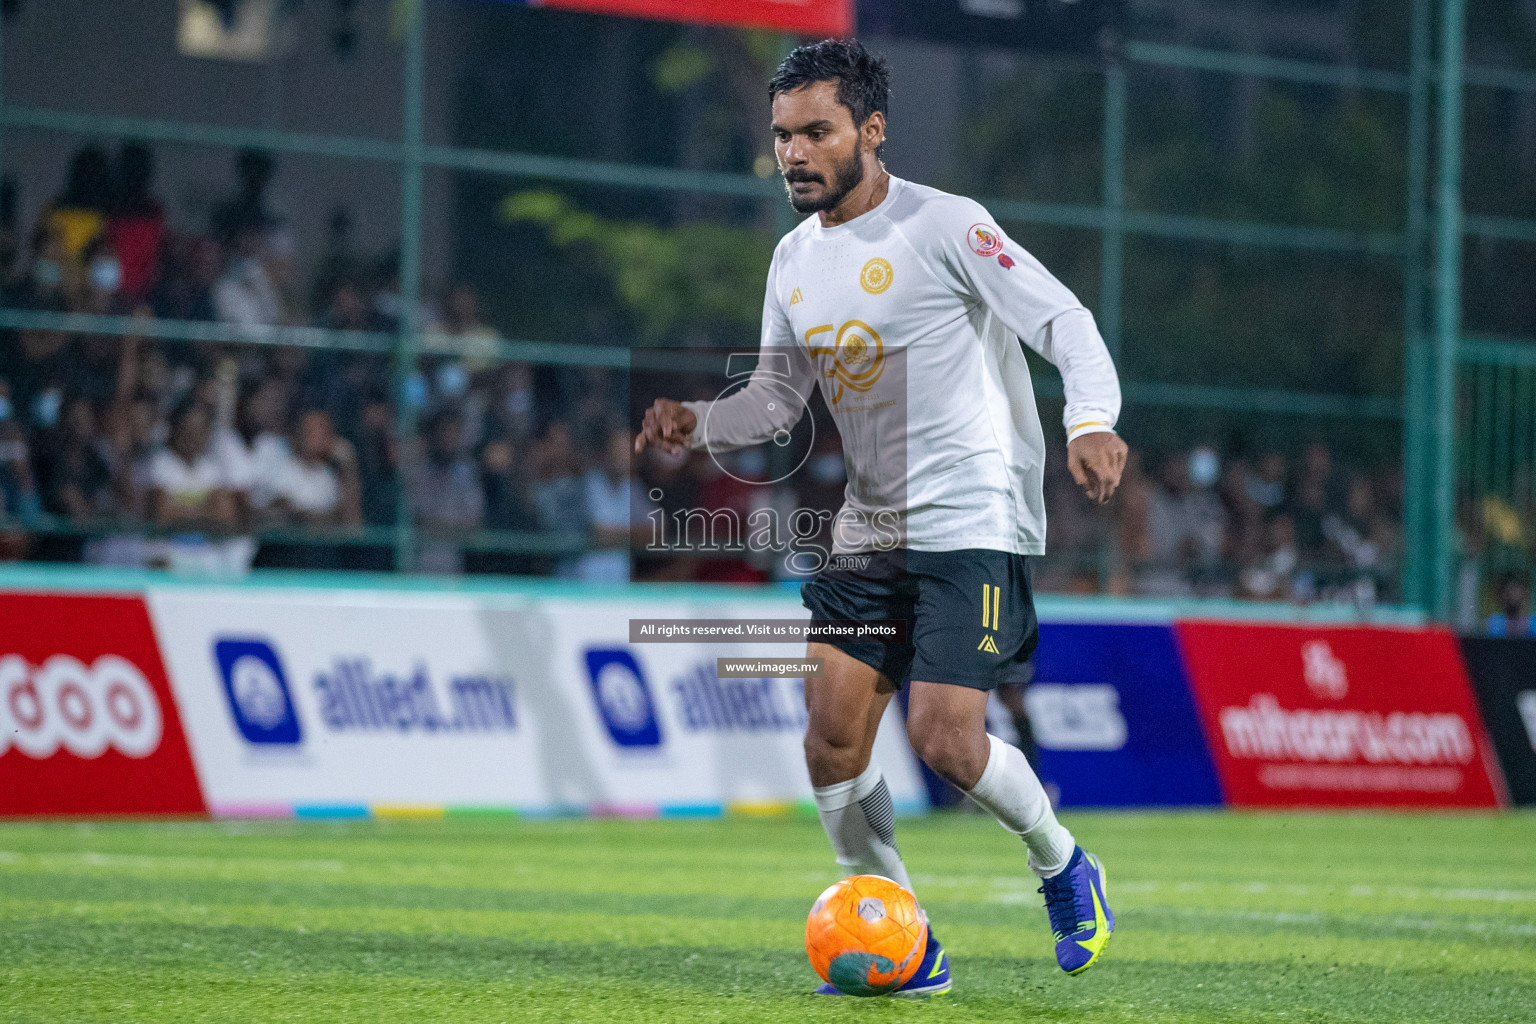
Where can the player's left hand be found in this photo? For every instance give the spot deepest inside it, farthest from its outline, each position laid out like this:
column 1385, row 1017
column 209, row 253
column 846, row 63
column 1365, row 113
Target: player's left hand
column 1096, row 461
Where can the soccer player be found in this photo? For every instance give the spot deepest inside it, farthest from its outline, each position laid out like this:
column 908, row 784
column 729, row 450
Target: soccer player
column 907, row 306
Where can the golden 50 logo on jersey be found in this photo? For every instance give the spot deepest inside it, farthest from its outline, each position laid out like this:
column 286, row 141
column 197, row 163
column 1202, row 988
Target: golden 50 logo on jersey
column 857, row 351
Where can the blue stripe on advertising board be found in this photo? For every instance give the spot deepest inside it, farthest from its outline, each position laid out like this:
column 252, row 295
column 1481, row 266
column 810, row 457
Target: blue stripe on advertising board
column 1112, row 712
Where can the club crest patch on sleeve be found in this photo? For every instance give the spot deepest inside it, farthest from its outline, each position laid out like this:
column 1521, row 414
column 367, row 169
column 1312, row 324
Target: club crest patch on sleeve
column 984, row 240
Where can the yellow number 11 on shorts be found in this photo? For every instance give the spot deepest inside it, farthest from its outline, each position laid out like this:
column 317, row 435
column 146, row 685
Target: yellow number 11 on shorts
column 991, row 604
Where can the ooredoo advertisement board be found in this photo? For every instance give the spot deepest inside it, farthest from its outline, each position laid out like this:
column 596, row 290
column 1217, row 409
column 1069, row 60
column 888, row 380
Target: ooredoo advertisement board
column 88, row 724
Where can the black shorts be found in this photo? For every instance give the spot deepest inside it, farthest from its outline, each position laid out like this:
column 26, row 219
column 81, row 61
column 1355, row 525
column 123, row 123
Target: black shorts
column 970, row 614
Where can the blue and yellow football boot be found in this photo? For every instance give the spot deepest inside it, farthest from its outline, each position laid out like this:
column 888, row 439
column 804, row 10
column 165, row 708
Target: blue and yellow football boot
column 931, row 979
column 1079, row 911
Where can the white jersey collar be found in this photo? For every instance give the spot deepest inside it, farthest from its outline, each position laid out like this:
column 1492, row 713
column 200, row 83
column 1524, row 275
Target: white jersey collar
column 867, row 217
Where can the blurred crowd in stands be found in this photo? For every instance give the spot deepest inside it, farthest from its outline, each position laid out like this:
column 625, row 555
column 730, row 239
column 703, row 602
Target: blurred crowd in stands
column 1269, row 525
column 136, row 451
column 201, row 446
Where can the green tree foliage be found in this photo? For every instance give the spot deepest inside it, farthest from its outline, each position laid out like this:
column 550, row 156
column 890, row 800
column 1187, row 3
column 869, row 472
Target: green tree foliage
column 1210, row 145
column 697, row 282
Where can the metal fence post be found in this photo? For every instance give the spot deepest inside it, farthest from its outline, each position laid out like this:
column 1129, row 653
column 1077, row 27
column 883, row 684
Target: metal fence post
column 1112, row 235
column 785, row 219
column 1447, row 304
column 407, row 341
column 1417, row 408
column 1112, row 252
column 2, row 107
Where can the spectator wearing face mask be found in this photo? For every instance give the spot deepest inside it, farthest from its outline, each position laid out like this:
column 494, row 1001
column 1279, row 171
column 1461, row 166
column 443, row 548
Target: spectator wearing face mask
column 30, row 361
column 449, row 389
column 43, row 286
column 47, row 365
column 1265, row 482
column 102, row 281
column 511, row 412
column 1185, row 528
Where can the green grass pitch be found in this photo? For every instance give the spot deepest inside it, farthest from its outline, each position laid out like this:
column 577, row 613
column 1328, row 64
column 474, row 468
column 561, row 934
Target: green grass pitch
column 1222, row 917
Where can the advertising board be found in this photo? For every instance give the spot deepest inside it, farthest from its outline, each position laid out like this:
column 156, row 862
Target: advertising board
column 662, row 722
column 1503, row 671
column 1112, row 714
column 316, row 701
column 1338, row 716
column 1086, row 27
column 349, row 701
column 88, row 724
column 354, row 699
column 807, row 17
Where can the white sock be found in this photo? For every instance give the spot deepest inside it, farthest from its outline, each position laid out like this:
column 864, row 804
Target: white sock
column 860, row 819
column 1009, row 789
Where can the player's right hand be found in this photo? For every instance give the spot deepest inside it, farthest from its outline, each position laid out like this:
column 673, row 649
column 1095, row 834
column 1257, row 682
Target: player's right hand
column 1096, row 462
column 667, row 426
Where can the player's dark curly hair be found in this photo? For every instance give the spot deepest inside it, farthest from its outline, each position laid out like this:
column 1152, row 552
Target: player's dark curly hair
column 863, row 80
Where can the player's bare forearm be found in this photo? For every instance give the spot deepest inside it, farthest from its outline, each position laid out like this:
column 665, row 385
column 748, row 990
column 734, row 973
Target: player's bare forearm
column 668, row 426
column 1096, row 461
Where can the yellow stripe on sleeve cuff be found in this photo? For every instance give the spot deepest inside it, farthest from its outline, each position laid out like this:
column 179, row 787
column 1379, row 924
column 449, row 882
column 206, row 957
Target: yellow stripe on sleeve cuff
column 1089, row 427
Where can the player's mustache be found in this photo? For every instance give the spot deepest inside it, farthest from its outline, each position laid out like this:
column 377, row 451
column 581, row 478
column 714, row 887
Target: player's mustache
column 798, row 175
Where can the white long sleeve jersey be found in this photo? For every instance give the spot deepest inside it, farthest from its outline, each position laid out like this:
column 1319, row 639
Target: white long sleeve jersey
column 908, row 317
